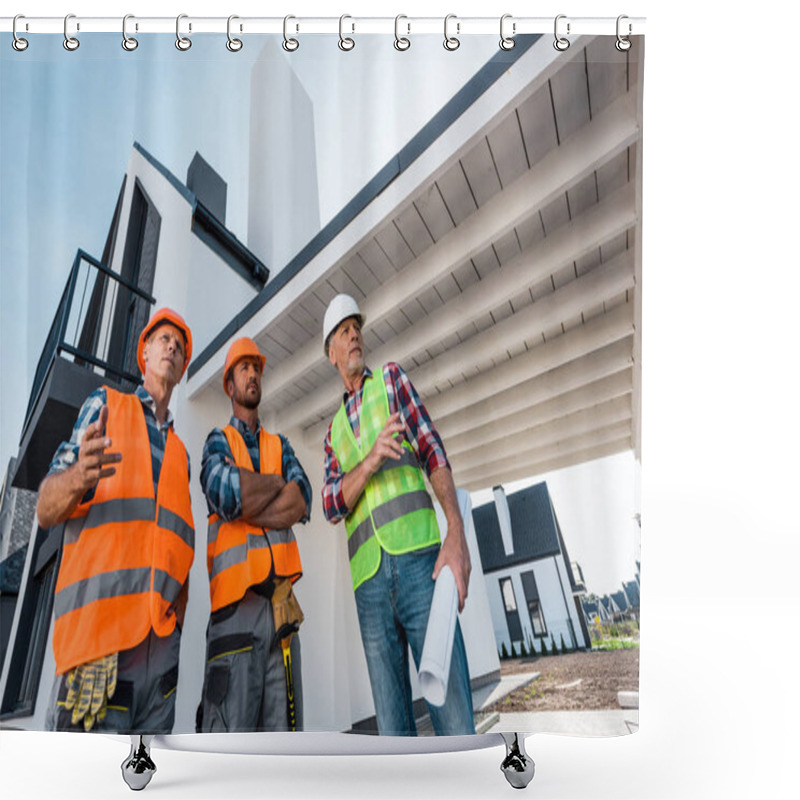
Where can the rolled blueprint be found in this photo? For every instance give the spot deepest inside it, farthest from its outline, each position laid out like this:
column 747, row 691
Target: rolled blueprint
column 434, row 666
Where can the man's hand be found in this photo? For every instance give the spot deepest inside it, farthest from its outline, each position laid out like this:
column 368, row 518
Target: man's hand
column 89, row 688
column 92, row 456
column 387, row 445
column 61, row 492
column 455, row 554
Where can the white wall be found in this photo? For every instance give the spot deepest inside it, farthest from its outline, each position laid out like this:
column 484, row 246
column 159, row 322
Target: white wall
column 215, row 293
column 283, row 212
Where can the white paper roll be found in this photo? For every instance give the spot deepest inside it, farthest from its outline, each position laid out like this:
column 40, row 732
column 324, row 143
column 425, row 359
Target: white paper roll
column 434, row 667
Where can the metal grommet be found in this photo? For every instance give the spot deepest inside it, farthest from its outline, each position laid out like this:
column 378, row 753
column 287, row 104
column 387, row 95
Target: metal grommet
column 623, row 43
column 560, row 42
column 18, row 43
column 401, row 42
column 128, row 42
column 290, row 45
column 345, row 42
column 233, row 44
column 70, row 42
column 451, row 42
column 182, row 42
column 507, row 42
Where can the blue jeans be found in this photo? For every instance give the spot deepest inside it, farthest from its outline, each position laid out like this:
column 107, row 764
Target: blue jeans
column 393, row 608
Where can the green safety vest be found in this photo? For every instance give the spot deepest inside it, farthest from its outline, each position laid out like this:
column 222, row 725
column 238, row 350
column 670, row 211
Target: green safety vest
column 395, row 511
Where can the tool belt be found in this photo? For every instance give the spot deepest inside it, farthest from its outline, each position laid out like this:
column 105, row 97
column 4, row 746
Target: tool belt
column 286, row 612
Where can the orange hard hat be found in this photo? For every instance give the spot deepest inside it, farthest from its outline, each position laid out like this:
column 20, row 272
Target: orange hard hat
column 162, row 316
column 240, row 349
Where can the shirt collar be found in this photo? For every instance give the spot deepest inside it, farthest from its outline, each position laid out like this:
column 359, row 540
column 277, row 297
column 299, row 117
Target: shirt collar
column 243, row 427
column 148, row 402
column 367, row 374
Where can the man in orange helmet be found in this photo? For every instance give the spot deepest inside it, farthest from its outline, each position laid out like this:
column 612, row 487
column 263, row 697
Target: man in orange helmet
column 256, row 490
column 121, row 484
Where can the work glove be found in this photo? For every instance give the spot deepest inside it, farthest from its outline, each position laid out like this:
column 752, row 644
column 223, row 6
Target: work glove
column 286, row 612
column 90, row 686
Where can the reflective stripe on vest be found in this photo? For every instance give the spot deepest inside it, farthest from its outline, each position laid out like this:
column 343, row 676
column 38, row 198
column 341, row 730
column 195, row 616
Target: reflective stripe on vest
column 126, row 554
column 240, row 555
column 394, row 512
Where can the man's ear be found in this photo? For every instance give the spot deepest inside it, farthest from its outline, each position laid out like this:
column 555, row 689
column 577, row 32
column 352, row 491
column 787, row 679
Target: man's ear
column 146, row 349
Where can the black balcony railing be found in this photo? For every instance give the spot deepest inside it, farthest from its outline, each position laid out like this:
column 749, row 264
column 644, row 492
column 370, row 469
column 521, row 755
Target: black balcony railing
column 93, row 326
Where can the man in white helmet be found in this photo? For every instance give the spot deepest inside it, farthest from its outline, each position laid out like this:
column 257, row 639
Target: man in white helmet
column 375, row 450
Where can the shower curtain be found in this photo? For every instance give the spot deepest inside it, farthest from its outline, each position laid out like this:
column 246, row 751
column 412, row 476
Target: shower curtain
column 482, row 208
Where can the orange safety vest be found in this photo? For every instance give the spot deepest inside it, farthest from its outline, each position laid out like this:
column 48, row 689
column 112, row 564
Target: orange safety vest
column 126, row 553
column 239, row 554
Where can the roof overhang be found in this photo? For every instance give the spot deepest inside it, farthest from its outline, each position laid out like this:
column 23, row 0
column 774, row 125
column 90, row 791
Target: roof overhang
column 501, row 267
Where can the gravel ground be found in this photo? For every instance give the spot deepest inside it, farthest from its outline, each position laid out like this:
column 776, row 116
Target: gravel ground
column 573, row 681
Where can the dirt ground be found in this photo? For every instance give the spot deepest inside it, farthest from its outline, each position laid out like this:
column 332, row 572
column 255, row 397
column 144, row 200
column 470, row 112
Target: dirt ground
column 573, row 681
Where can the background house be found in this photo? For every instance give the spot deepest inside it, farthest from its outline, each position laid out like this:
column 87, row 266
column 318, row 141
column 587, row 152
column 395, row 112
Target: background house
column 529, row 580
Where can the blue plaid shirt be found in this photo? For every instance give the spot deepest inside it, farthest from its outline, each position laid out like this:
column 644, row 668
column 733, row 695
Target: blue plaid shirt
column 220, row 478
column 67, row 453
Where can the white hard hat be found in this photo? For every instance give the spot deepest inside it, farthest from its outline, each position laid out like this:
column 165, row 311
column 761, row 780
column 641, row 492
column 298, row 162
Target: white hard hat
column 342, row 307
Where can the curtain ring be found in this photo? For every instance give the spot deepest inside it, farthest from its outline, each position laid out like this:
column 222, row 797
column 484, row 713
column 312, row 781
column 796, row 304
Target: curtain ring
column 345, row 42
column 19, row 44
column 451, row 42
column 560, row 42
column 623, row 43
column 181, row 42
column 233, row 44
column 401, row 42
column 290, row 45
column 129, row 43
column 70, row 42
column 507, row 42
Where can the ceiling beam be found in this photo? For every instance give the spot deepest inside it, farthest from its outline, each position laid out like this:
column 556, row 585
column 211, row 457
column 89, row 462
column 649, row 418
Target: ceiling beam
column 613, row 328
column 604, row 282
column 503, row 421
column 530, row 469
column 524, row 444
column 576, row 374
column 614, row 129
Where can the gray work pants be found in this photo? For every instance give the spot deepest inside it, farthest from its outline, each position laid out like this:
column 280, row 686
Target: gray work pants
column 245, row 682
column 144, row 700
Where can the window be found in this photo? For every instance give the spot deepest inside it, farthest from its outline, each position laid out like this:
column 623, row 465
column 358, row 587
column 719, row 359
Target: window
column 508, row 594
column 510, row 605
column 534, row 605
column 537, row 620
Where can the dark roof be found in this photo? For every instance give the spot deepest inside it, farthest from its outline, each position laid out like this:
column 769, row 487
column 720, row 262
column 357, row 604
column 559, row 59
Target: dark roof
column 533, row 529
column 620, row 600
column 632, row 591
column 590, row 608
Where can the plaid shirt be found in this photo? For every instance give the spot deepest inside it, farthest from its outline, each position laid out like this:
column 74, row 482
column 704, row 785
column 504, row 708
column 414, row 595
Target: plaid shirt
column 220, row 479
column 67, row 453
column 419, row 432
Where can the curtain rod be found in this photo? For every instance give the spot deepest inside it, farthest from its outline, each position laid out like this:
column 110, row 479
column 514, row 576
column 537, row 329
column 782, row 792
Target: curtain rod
column 74, row 25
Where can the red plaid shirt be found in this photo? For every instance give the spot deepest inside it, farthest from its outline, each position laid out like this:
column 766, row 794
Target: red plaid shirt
column 419, row 432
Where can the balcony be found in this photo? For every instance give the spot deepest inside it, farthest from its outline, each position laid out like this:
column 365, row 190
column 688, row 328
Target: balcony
column 92, row 341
